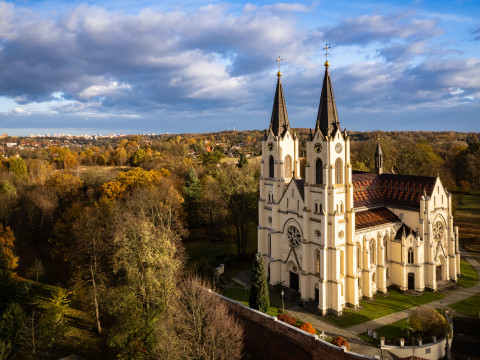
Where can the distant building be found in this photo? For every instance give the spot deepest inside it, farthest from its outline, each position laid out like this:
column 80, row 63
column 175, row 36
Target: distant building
column 336, row 236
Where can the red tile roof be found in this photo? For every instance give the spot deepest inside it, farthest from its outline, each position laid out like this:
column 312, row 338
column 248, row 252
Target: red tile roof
column 370, row 189
column 374, row 217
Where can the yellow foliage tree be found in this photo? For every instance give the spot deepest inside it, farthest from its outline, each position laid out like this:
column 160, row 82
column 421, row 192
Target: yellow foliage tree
column 64, row 183
column 129, row 180
column 6, row 242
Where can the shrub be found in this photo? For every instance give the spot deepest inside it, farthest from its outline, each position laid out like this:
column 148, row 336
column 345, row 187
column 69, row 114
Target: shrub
column 308, row 328
column 427, row 322
column 290, row 320
column 340, row 341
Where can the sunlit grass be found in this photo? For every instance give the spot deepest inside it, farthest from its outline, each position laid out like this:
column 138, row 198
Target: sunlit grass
column 469, row 276
column 382, row 305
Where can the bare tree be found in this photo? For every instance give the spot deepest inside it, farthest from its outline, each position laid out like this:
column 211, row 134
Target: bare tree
column 202, row 327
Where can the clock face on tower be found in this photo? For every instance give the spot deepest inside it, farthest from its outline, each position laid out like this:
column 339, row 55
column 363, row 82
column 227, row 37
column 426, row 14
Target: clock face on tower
column 338, row 148
column 270, row 146
column 317, row 147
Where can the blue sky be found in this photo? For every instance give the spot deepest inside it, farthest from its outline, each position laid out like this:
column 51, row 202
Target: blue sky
column 195, row 66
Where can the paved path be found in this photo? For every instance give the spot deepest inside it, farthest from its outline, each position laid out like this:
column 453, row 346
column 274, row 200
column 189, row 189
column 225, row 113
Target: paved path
column 451, row 297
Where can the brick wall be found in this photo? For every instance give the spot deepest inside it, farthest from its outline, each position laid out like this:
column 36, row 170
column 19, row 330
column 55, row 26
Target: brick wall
column 269, row 338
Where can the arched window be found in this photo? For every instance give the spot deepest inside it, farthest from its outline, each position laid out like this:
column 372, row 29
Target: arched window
column 359, row 252
column 410, row 255
column 341, row 207
column 372, row 253
column 287, row 167
column 318, row 172
column 316, row 207
column 269, row 244
column 271, row 172
column 270, row 197
column 317, row 262
column 342, row 263
column 339, row 171
column 385, row 251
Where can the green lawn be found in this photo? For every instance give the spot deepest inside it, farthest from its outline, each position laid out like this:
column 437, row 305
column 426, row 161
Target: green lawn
column 394, row 330
column 469, row 306
column 469, row 275
column 382, row 305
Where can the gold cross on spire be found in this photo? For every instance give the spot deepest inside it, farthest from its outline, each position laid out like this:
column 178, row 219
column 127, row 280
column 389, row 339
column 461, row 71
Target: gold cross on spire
column 326, row 55
column 279, row 61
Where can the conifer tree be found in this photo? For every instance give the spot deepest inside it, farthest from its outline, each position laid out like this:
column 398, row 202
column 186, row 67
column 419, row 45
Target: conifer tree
column 259, row 288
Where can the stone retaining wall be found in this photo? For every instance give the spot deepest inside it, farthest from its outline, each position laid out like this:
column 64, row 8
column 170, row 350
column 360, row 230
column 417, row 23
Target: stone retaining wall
column 266, row 337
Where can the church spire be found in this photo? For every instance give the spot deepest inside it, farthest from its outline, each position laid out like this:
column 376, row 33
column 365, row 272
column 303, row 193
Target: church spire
column 279, row 123
column 378, row 159
column 327, row 118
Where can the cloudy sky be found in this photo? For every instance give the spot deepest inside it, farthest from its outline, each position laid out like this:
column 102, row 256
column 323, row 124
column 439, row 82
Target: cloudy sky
column 141, row 66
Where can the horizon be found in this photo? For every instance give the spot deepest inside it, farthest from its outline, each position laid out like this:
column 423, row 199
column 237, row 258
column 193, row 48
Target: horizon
column 194, row 67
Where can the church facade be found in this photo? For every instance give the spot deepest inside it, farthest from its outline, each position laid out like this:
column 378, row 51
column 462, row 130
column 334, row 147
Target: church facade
column 336, row 235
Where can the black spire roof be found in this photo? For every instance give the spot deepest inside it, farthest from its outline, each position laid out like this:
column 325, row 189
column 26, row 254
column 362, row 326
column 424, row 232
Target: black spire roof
column 279, row 121
column 378, row 159
column 327, row 118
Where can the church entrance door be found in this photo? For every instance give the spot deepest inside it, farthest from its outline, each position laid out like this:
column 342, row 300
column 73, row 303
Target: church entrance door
column 293, row 281
column 439, row 272
column 317, row 295
column 411, row 281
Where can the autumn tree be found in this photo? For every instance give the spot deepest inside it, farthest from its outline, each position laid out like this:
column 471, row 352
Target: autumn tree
column 239, row 191
column 8, row 198
column 200, row 327
column 212, row 208
column 147, row 261
column 36, row 270
column 17, row 166
column 259, row 299
column 427, row 322
column 192, row 196
column 7, row 254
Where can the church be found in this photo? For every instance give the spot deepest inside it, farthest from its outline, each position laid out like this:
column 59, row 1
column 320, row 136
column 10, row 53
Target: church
column 337, row 236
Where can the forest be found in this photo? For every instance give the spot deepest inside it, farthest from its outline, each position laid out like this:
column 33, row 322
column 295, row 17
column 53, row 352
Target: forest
column 124, row 231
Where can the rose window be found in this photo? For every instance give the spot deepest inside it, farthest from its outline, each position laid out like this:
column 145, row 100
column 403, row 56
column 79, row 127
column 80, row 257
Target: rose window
column 438, row 231
column 294, row 236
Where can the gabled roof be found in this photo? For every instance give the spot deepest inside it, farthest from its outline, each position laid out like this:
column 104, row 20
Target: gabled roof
column 404, row 229
column 370, row 189
column 279, row 123
column 301, row 187
column 374, row 217
column 327, row 118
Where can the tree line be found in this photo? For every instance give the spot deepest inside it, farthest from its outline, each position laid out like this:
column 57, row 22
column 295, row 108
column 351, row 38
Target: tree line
column 113, row 237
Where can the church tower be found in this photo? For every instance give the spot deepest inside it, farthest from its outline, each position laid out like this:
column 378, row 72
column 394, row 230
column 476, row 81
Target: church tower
column 279, row 165
column 329, row 206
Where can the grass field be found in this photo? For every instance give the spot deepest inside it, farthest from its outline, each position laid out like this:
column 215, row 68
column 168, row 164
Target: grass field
column 382, row 305
column 394, row 330
column 469, row 276
column 469, row 306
